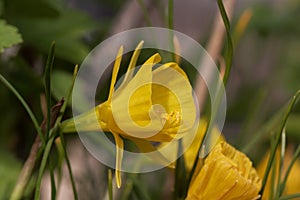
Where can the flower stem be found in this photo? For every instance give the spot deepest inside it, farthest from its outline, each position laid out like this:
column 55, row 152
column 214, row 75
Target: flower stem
column 25, row 105
column 43, row 166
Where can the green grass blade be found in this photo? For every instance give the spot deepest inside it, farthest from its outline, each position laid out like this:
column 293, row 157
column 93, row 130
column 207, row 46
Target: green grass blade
column 52, row 134
column 228, row 59
column 64, row 107
column 277, row 139
column 180, row 174
column 229, row 50
column 273, row 173
column 47, row 82
column 171, row 26
column 69, row 166
column 266, row 129
column 43, row 167
column 294, row 159
column 171, row 14
column 281, row 160
column 25, row 105
column 291, row 196
column 52, row 179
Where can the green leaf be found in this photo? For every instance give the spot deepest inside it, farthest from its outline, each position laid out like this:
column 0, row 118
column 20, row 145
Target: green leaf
column 9, row 35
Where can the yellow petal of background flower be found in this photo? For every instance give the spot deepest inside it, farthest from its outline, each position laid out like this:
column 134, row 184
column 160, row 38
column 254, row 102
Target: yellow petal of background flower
column 192, row 141
column 191, row 153
column 226, row 174
column 293, row 181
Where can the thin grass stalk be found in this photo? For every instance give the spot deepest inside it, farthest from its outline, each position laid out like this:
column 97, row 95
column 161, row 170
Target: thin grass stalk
column 277, row 140
column 294, row 159
column 64, row 145
column 25, row 105
column 228, row 60
column 47, row 82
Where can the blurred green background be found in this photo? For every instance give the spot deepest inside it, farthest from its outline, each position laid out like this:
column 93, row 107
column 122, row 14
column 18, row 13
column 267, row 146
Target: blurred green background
column 265, row 72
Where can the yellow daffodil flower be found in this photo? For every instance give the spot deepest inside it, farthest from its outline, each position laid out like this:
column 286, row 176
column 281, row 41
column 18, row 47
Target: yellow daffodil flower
column 226, row 174
column 293, row 181
column 153, row 104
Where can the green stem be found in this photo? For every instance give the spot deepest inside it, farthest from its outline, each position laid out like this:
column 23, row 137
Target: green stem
column 282, row 152
column 292, row 196
column 110, row 185
column 43, row 167
column 64, row 107
column 171, row 27
column 25, row 105
column 69, row 166
column 216, row 103
column 171, row 14
column 229, row 50
column 180, row 173
column 52, row 134
column 47, row 80
column 52, row 179
column 295, row 157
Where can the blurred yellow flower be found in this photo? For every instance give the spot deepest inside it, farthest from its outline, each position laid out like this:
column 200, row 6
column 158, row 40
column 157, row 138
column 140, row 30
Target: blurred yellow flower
column 191, row 153
column 226, row 174
column 153, row 104
column 191, row 144
column 293, row 182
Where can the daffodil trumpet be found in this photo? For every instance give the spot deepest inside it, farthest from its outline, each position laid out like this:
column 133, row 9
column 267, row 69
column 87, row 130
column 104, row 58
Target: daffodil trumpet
column 154, row 104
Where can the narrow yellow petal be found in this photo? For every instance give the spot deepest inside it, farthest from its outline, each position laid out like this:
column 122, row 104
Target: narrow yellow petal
column 115, row 72
column 132, row 64
column 119, row 157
